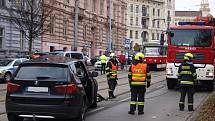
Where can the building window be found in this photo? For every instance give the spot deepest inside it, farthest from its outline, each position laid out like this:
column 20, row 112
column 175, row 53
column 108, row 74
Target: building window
column 137, row 8
column 131, row 20
column 85, row 4
column 1, row 37
column 136, row 34
column 158, row 24
column 101, row 33
column 22, row 40
column 85, row 32
column 158, row 36
column 52, row 24
column 131, row 34
column 122, row 20
column 153, row 23
column 153, row 36
column 101, row 7
column 144, row 10
column 2, row 3
column 65, row 21
column 94, row 5
column 114, row 11
column 153, row 11
column 158, row 12
column 168, row 13
column 137, row 21
column 132, row 7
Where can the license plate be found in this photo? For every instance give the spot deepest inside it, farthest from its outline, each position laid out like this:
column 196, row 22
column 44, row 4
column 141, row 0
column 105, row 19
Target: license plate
column 38, row 89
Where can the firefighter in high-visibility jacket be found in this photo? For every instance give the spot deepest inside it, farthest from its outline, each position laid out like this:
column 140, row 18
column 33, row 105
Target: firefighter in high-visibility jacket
column 111, row 70
column 187, row 78
column 139, row 77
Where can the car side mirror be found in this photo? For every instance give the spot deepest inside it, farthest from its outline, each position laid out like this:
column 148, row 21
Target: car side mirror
column 94, row 74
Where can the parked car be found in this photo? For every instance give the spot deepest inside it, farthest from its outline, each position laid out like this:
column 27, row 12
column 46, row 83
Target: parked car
column 94, row 60
column 51, row 87
column 39, row 54
column 70, row 54
column 8, row 66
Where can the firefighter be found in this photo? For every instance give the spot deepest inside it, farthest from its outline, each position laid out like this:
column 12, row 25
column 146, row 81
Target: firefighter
column 103, row 60
column 111, row 70
column 187, row 78
column 139, row 78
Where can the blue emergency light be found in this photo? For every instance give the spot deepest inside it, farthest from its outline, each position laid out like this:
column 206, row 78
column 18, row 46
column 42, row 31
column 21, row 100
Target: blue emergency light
column 192, row 23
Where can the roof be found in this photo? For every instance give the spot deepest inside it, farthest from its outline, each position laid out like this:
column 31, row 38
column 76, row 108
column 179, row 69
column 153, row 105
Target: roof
column 51, row 59
column 188, row 13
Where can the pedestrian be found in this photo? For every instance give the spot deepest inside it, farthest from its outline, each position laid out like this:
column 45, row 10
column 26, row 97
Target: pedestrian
column 111, row 70
column 187, row 77
column 139, row 77
column 122, row 60
column 103, row 60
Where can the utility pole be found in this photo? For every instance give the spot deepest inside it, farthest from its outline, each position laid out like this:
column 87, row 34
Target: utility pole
column 110, row 22
column 76, row 26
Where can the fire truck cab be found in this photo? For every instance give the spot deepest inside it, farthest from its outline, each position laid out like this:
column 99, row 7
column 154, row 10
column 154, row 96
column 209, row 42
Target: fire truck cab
column 197, row 38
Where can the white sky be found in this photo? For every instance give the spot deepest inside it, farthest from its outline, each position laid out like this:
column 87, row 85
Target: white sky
column 193, row 5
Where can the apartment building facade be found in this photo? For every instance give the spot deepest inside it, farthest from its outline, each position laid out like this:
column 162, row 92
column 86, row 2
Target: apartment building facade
column 12, row 40
column 93, row 26
column 147, row 19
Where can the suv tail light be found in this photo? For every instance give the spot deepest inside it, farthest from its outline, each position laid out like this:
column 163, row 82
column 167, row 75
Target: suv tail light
column 68, row 89
column 11, row 87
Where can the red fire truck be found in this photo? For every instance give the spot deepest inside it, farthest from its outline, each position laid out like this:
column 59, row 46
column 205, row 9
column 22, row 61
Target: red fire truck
column 197, row 38
column 155, row 55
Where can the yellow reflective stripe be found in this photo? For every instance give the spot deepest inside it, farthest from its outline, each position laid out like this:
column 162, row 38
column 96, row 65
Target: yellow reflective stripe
column 186, row 82
column 185, row 67
column 138, row 75
column 148, row 74
column 132, row 102
column 140, row 103
column 190, row 103
column 185, row 72
column 138, row 83
column 194, row 74
column 181, row 102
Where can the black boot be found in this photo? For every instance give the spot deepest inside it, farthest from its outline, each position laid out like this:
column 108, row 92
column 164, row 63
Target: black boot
column 131, row 112
column 140, row 109
column 181, row 107
column 190, row 108
column 110, row 93
column 113, row 95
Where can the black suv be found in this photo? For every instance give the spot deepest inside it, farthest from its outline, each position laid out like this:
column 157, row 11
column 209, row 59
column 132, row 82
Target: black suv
column 51, row 87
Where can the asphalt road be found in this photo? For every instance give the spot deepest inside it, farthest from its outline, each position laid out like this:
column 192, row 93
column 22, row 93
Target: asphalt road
column 161, row 104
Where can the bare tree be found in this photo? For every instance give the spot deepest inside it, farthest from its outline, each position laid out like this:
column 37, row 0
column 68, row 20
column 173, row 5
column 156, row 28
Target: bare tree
column 30, row 17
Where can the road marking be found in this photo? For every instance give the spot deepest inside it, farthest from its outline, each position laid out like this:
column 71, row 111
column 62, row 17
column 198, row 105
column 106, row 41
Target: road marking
column 123, row 100
column 98, row 109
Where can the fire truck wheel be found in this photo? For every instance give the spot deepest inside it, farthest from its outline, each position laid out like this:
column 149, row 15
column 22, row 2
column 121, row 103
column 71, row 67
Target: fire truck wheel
column 210, row 86
column 171, row 83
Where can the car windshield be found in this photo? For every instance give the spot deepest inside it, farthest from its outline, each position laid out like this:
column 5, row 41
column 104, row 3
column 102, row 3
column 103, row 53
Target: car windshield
column 42, row 72
column 56, row 53
column 196, row 38
column 151, row 51
column 5, row 62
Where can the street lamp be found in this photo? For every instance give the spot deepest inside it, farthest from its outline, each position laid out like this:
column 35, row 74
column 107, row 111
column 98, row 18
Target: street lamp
column 110, row 41
column 76, row 25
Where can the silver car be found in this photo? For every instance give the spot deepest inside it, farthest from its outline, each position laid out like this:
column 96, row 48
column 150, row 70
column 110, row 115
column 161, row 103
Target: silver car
column 8, row 66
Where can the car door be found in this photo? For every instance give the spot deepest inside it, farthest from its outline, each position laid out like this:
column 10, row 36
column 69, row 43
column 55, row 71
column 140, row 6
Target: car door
column 16, row 65
column 82, row 74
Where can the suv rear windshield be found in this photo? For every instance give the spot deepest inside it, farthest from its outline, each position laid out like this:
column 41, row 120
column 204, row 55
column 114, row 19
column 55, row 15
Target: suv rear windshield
column 42, row 72
column 77, row 56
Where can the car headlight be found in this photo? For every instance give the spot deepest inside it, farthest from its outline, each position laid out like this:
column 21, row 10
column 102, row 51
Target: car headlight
column 209, row 74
